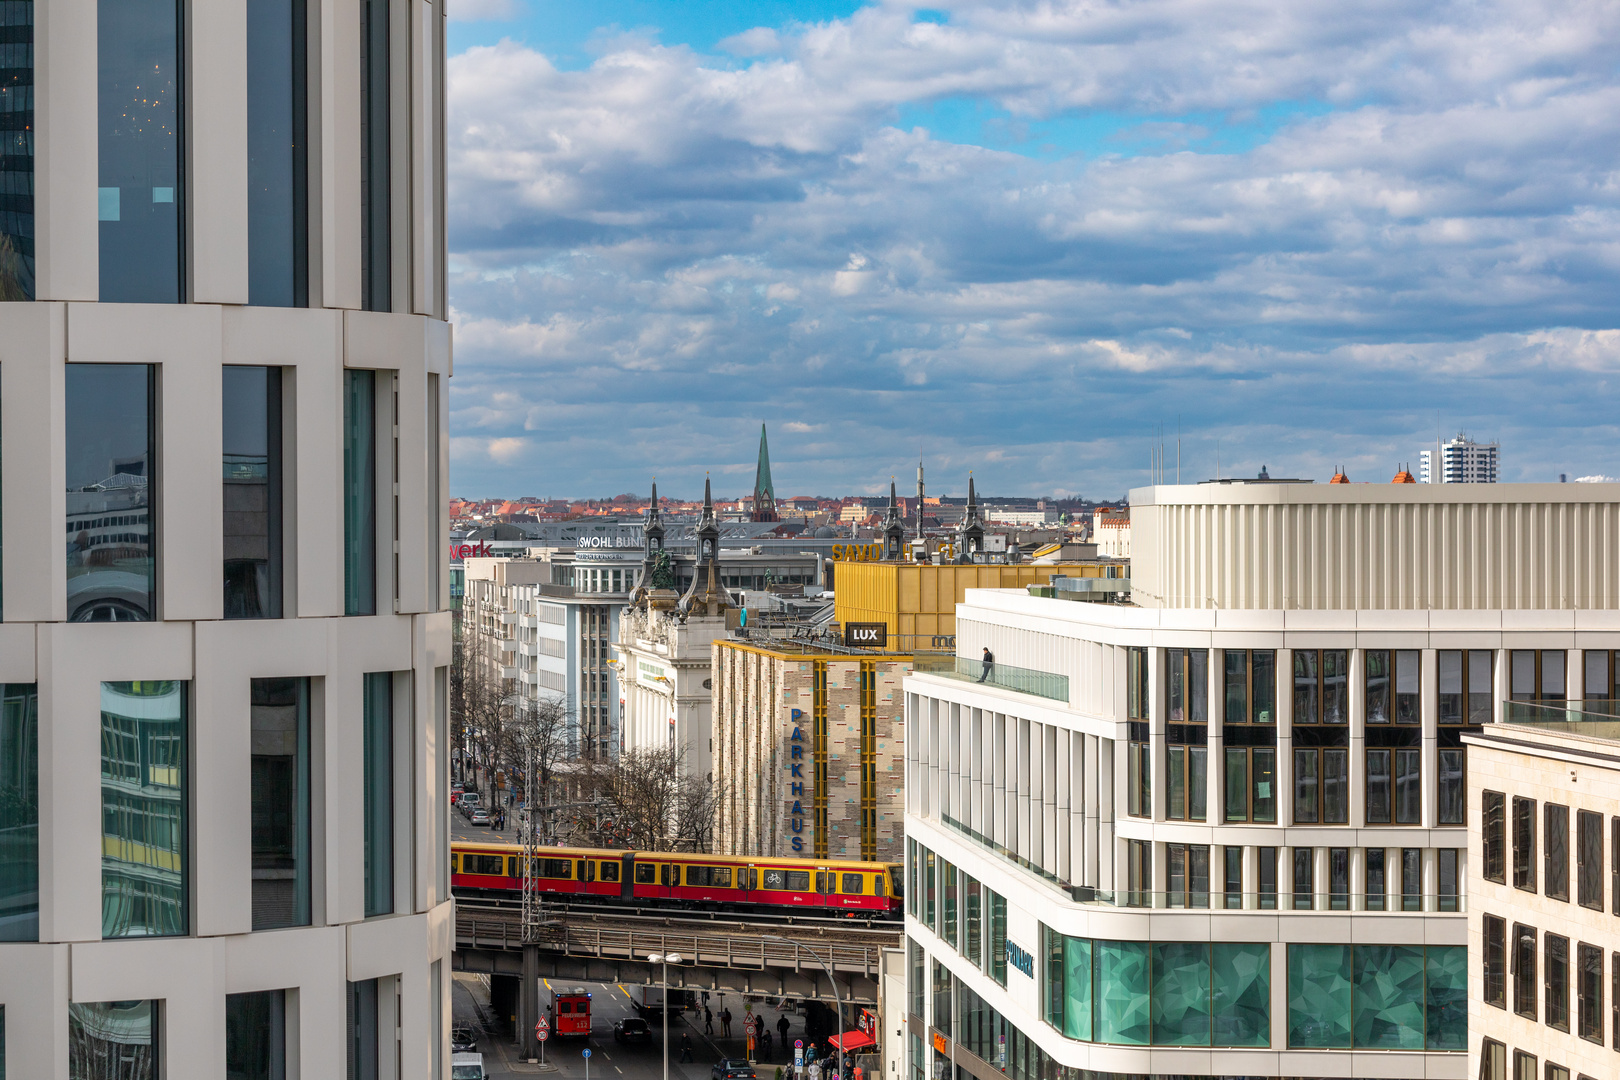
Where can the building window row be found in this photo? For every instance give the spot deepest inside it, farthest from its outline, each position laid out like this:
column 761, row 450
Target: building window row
column 112, row 481
column 1312, row 879
column 1554, row 826
column 959, row 909
column 1563, row 971
column 1493, row 1064
column 146, row 811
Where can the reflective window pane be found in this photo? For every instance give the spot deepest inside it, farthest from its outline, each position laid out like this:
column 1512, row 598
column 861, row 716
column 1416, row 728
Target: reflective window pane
column 1077, row 988
column 1181, row 994
column 359, row 493
column 379, row 792
column 281, row 831
column 113, row 1039
column 1388, row 997
column 19, row 813
column 252, row 469
column 256, row 1036
column 1446, row 997
column 16, row 150
column 143, row 809
column 375, row 277
column 142, row 189
column 111, row 553
column 278, row 195
column 1122, row 984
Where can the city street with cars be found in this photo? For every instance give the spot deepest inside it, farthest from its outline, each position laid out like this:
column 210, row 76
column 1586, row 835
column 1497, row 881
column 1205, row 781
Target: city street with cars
column 637, row 1059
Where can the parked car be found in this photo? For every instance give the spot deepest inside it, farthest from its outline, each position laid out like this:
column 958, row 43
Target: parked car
column 732, row 1069
column 478, row 817
column 462, row 1039
column 632, row 1029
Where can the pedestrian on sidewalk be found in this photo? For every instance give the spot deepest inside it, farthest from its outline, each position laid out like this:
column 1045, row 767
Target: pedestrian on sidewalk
column 782, row 1025
column 708, row 1021
column 686, row 1047
column 725, row 1021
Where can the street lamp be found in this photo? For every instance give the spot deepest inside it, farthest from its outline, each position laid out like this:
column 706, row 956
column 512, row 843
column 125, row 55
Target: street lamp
column 665, row 959
column 837, row 1000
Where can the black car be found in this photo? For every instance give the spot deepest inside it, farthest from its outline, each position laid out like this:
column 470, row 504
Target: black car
column 732, row 1069
column 632, row 1029
column 462, row 1040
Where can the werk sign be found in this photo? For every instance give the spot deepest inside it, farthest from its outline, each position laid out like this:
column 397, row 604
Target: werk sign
column 866, row 634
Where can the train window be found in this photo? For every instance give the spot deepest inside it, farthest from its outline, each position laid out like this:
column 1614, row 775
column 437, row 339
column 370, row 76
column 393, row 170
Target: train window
column 798, row 881
column 455, row 864
column 669, row 875
column 610, row 871
column 514, row 867
column 697, row 875
column 555, row 868
column 852, row 884
column 493, row 865
column 775, row 879
column 877, row 884
column 646, row 873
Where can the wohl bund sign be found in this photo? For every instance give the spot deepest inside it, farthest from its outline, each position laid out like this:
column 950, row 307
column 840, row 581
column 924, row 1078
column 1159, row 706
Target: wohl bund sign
column 866, row 635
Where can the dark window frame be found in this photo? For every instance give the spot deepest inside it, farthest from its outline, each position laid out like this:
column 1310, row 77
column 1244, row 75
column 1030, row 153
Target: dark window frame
column 1524, row 844
column 1523, row 961
column 1320, row 809
column 1493, row 964
column 1589, row 859
column 1536, row 690
column 1385, row 670
column 1555, row 851
column 1493, row 836
column 1312, row 686
column 1555, row 981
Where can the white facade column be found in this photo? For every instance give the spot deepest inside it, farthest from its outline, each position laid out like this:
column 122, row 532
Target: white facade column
column 1216, row 810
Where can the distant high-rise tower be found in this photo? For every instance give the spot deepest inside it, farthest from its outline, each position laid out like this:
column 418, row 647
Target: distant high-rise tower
column 764, row 490
column 1459, row 461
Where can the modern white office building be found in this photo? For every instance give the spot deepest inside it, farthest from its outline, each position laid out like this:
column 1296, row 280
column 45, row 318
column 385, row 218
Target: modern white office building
column 535, row 640
column 1223, row 830
column 223, row 367
column 1544, row 876
column 1459, row 461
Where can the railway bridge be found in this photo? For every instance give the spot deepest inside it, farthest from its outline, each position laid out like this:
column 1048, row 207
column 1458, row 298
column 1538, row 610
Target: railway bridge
column 817, row 959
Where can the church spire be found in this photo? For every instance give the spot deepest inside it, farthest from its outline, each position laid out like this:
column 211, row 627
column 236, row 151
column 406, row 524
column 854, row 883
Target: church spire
column 971, row 535
column 764, row 489
column 706, row 596
column 894, row 528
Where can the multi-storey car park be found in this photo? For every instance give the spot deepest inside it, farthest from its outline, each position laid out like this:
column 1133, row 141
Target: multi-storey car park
column 223, row 365
column 1222, row 829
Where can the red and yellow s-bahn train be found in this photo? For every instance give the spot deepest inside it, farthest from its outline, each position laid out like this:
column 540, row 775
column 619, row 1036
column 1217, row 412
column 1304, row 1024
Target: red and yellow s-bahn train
column 833, row 886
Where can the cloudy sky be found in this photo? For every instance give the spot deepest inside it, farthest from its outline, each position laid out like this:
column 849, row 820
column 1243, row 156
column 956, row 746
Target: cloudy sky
column 1024, row 236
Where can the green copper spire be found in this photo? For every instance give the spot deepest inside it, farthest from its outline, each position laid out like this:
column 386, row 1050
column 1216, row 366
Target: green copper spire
column 764, row 489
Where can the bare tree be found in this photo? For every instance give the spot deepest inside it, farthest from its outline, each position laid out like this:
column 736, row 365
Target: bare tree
column 650, row 801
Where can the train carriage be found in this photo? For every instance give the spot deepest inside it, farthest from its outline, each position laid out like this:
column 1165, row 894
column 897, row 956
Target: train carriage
column 689, row 880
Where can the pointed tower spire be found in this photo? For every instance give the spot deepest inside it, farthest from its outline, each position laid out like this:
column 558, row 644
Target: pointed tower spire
column 764, row 488
column 652, row 530
column 894, row 528
column 706, row 596
column 971, row 535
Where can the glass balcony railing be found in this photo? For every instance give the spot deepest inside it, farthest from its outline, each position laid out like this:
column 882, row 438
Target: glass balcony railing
column 1007, row 677
column 1596, row 718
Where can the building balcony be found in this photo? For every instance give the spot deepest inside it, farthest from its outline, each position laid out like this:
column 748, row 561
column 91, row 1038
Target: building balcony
column 508, row 645
column 1043, row 684
column 509, row 618
column 1593, row 718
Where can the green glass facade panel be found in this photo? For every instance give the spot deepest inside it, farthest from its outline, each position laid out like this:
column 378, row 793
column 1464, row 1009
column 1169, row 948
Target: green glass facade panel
column 1446, row 994
column 359, row 492
column 1388, row 999
column 143, row 809
column 1318, row 996
column 19, row 812
column 1180, row 1002
column 1121, row 972
column 1240, row 994
column 1077, row 988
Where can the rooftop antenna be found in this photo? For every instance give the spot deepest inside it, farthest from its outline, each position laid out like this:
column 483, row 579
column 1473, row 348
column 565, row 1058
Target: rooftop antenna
column 1178, row 449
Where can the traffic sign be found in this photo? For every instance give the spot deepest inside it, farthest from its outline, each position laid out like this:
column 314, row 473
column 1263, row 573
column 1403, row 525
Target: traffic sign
column 586, row 1052
column 542, row 1023
column 542, row 1034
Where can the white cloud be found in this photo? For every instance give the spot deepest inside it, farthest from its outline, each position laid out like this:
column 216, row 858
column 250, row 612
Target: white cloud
column 667, row 248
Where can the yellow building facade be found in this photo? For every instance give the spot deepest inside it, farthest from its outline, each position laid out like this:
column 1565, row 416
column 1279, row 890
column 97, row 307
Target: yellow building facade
column 919, row 599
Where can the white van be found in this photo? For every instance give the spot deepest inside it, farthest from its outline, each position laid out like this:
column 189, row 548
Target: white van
column 467, row 1067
